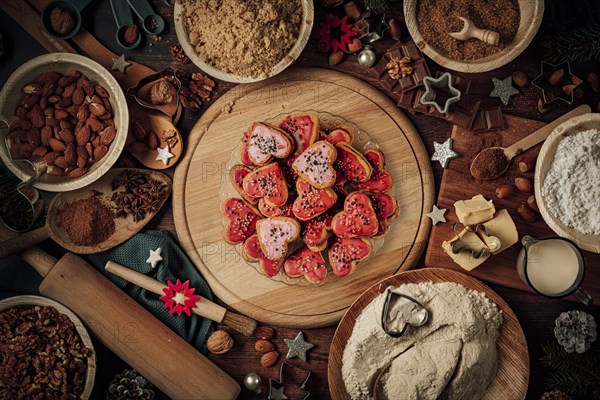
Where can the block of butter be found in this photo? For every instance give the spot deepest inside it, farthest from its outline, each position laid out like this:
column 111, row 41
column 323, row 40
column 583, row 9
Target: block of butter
column 471, row 244
column 475, row 210
column 502, row 227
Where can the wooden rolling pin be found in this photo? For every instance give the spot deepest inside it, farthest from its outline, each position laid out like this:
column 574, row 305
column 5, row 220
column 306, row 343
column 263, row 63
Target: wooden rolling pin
column 129, row 330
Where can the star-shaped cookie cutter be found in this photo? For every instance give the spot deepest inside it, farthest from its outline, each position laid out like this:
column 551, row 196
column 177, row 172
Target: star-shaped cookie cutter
column 432, row 97
column 276, row 387
column 552, row 93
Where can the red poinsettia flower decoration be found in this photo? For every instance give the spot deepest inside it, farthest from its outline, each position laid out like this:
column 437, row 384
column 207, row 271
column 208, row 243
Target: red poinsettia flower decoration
column 335, row 34
column 179, row 297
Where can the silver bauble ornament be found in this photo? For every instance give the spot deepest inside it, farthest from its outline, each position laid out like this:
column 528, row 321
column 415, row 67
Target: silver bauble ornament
column 252, row 382
column 366, row 57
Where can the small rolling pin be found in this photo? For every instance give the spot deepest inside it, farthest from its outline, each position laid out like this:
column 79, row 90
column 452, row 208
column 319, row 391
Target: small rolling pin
column 129, row 330
column 204, row 308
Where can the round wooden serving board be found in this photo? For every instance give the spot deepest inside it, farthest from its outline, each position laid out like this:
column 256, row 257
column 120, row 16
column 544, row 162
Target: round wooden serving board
column 199, row 175
column 512, row 377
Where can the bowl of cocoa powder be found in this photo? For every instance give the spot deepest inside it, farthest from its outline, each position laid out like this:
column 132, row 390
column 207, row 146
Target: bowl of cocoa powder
column 66, row 112
column 430, row 23
column 243, row 41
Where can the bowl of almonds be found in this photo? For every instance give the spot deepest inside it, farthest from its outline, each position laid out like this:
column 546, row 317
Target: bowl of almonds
column 65, row 113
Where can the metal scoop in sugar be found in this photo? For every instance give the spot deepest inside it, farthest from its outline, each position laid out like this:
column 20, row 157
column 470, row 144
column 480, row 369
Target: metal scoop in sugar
column 401, row 312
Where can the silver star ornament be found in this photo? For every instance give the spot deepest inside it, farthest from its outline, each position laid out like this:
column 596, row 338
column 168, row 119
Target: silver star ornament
column 437, row 215
column 120, row 64
column 443, row 152
column 298, row 347
column 503, row 89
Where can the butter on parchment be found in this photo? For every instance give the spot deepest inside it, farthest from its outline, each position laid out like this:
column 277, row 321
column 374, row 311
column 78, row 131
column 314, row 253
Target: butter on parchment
column 465, row 259
column 475, row 210
column 503, row 227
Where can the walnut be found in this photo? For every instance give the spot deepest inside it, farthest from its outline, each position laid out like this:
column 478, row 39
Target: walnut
column 61, row 20
column 161, row 93
column 399, row 67
column 220, row 342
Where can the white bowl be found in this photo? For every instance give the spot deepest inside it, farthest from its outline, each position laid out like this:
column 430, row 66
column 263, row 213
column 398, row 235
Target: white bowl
column 11, row 96
column 30, row 301
column 303, row 36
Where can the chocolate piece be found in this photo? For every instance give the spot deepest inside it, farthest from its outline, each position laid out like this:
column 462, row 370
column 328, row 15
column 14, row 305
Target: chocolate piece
column 463, row 112
column 488, row 119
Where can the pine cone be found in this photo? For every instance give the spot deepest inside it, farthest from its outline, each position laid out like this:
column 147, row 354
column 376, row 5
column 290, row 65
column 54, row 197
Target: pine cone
column 129, row 385
column 555, row 395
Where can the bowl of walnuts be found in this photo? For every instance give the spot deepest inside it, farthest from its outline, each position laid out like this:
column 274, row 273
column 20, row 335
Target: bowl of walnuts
column 45, row 350
column 65, row 114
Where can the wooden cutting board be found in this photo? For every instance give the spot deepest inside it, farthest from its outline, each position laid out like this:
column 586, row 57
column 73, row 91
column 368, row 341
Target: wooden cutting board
column 512, row 377
column 200, row 174
column 458, row 184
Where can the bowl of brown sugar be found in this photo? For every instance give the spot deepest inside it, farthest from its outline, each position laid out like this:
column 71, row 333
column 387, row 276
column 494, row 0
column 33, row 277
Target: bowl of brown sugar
column 243, row 41
column 430, row 23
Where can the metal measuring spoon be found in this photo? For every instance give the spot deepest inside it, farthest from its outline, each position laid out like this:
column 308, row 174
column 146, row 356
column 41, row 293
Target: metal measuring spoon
column 153, row 23
column 73, row 6
column 124, row 19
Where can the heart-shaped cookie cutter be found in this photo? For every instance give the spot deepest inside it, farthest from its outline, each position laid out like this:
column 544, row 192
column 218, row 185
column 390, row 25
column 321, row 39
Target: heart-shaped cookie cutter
column 416, row 308
column 170, row 75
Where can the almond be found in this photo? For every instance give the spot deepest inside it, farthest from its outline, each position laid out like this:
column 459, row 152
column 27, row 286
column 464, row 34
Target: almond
column 60, row 162
column 101, row 91
column 82, row 135
column 59, row 91
column 47, row 77
column 524, row 184
column 56, row 144
column 25, row 125
column 36, row 116
column 49, row 88
column 89, row 149
column 65, row 80
column 107, row 105
column 51, row 157
column 43, row 103
column 97, row 109
column 108, row 135
column 76, row 172
column 51, row 121
column 83, row 113
column 30, row 100
column 64, row 102
column 264, row 332
column 45, row 135
column 40, row 151
column 69, row 90
column 49, row 111
column 33, row 137
column 100, row 152
column 74, row 73
column 269, row 359
column 78, row 96
column 131, row 34
column 264, row 346
column 81, row 161
column 137, row 147
column 65, row 124
column 94, row 124
column 88, row 87
column 60, row 114
column 152, row 140
column 520, row 79
column 56, row 171
column 138, row 131
column 54, row 99
column 556, row 77
column 70, row 155
column 21, row 113
column 32, row 88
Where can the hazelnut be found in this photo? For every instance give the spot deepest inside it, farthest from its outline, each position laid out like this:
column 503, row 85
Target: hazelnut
column 336, row 57
column 61, row 20
column 264, row 346
column 523, row 184
column 131, row 34
column 220, row 342
column 504, row 191
column 161, row 93
column 395, row 31
column 264, row 332
column 526, row 213
column 594, row 82
column 542, row 107
column 532, row 203
column 556, row 77
column 526, row 164
column 268, row 359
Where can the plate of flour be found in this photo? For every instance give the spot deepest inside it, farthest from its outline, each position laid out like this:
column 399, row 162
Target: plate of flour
column 472, row 345
column 566, row 181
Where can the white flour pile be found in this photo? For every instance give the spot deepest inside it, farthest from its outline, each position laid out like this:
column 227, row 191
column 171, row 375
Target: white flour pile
column 571, row 189
column 452, row 356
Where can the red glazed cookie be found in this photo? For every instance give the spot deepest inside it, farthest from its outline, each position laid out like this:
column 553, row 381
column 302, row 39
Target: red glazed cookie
column 357, row 219
column 304, row 129
column 244, row 157
column 341, row 134
column 386, row 208
column 237, row 173
column 282, row 211
column 352, row 164
column 381, row 180
column 252, row 253
column 345, row 254
column 306, row 262
column 312, row 201
column 315, row 164
column 240, row 219
column 275, row 234
column 316, row 231
column 268, row 142
column 267, row 182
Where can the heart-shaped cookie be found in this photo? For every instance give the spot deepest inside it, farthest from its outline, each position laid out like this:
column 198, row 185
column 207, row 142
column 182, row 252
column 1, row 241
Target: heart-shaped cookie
column 237, row 173
column 312, row 201
column 275, row 234
column 267, row 182
column 341, row 134
column 357, row 218
column 381, row 180
column 315, row 164
column 352, row 164
column 304, row 129
column 345, row 254
column 266, row 142
column 240, row 220
column 386, row 208
column 244, row 156
column 316, row 231
column 252, row 253
column 307, row 263
column 282, row 211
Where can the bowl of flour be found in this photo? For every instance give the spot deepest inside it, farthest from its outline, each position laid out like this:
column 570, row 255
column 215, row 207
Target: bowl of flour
column 471, row 346
column 566, row 181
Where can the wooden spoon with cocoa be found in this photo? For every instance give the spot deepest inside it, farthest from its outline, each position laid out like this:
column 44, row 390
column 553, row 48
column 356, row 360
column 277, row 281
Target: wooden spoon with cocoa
column 492, row 162
column 63, row 230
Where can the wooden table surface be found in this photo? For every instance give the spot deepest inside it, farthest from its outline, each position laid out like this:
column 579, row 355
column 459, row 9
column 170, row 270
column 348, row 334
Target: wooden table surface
column 535, row 313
